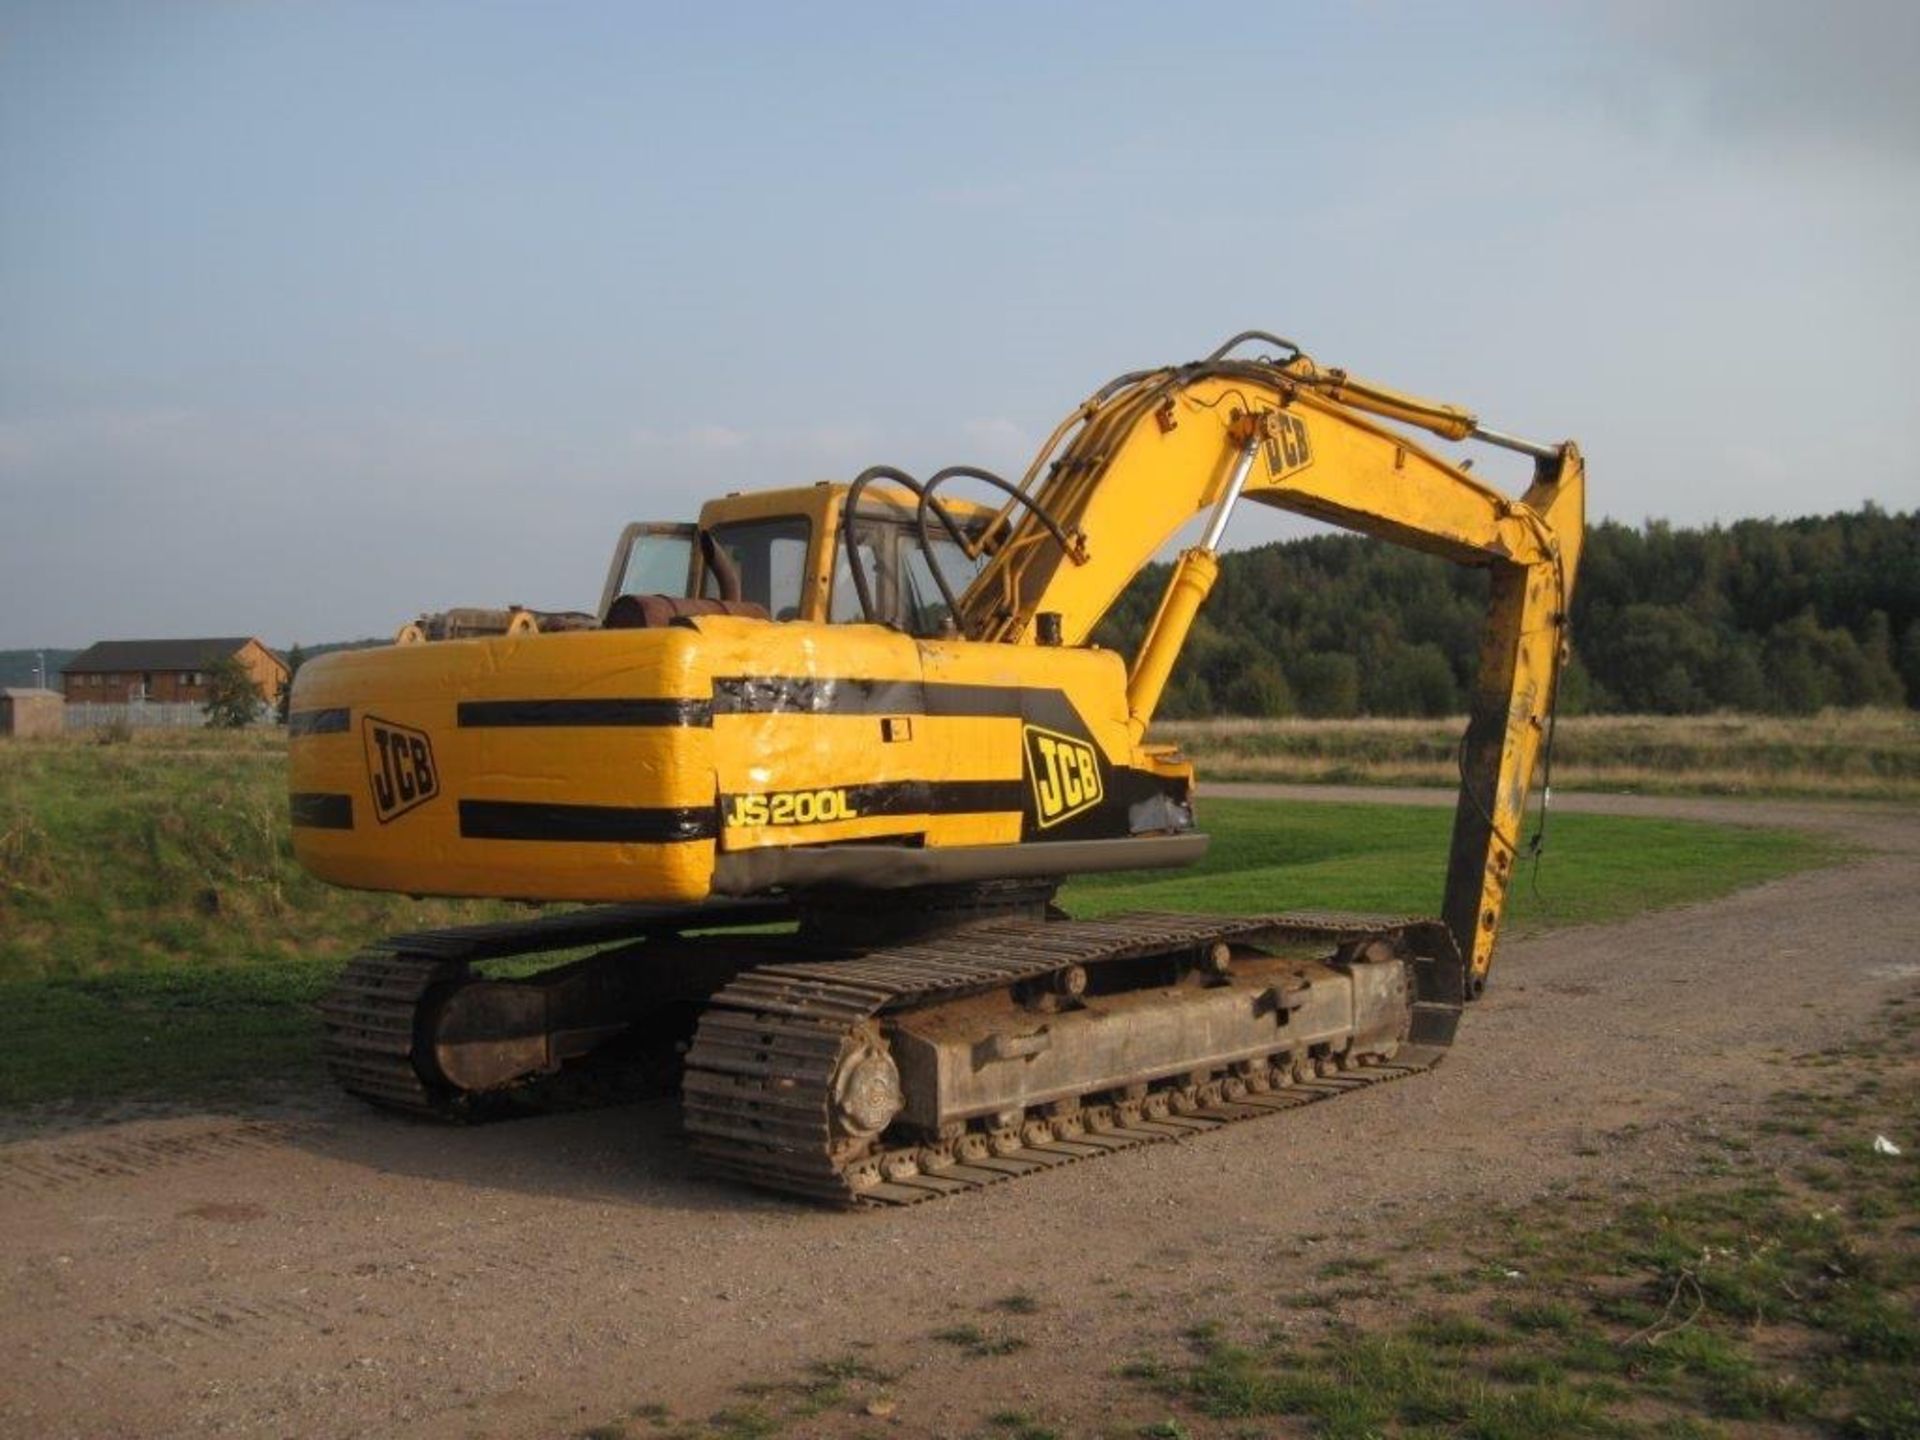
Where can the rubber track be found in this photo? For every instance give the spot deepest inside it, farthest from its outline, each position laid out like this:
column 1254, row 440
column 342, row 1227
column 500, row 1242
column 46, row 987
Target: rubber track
column 757, row 1092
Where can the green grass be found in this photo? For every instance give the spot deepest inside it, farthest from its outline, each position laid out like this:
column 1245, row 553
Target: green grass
column 209, row 1031
column 1283, row 855
column 167, row 852
column 972, row 1341
column 158, row 940
column 844, row 1385
column 156, row 937
column 1018, row 1425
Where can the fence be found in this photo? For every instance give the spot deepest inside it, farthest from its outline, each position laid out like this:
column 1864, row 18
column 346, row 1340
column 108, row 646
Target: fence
column 138, row 714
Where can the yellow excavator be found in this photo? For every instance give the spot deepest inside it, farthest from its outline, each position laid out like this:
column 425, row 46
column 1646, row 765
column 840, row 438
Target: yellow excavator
column 819, row 763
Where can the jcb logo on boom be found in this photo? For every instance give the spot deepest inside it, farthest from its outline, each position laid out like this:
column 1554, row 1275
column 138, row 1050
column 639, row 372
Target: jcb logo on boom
column 400, row 767
column 1065, row 774
column 1288, row 448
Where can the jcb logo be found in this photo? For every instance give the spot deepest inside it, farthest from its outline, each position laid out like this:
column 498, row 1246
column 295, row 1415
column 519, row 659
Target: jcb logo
column 1065, row 774
column 399, row 766
column 1288, row 448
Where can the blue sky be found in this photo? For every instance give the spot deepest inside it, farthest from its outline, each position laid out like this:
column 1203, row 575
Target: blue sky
column 312, row 317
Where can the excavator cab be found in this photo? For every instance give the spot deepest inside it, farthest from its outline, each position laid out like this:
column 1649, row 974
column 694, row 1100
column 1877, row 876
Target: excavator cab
column 781, row 553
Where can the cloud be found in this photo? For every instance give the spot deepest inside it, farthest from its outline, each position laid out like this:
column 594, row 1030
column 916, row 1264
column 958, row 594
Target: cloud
column 1764, row 71
column 997, row 441
column 714, row 440
column 854, row 443
column 841, row 443
column 33, row 446
column 982, row 195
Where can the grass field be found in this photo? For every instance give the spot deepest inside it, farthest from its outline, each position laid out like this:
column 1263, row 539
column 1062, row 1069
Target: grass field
column 1860, row 754
column 157, row 940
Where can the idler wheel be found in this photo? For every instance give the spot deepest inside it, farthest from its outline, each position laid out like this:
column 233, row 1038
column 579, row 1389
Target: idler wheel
column 866, row 1090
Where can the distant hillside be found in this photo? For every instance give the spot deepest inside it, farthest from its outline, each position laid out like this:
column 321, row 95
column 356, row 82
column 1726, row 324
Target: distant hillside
column 1780, row 616
column 18, row 667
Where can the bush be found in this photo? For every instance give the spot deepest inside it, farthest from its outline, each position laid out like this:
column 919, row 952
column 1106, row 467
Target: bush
column 233, row 700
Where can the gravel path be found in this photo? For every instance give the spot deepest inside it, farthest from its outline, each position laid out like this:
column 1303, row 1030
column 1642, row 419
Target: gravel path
column 333, row 1272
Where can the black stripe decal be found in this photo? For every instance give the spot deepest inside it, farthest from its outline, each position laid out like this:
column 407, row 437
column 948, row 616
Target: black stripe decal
column 943, row 797
column 762, row 695
column 1006, row 702
column 606, row 824
column 833, row 695
column 519, row 714
column 322, row 812
column 317, row 722
column 923, row 797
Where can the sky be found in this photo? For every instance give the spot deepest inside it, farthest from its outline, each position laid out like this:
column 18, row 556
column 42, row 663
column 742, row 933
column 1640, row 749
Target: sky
column 313, row 317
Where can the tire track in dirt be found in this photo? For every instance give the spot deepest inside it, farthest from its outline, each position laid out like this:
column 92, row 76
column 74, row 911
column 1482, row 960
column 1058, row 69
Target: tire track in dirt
column 30, row 1166
column 230, row 1321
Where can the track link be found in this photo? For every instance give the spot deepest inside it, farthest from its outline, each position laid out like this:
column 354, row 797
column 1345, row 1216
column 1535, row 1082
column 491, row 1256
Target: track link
column 758, row 1090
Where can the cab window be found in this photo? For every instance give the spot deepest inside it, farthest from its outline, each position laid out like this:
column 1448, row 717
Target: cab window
column 900, row 578
column 771, row 556
column 657, row 564
column 876, row 560
column 926, row 608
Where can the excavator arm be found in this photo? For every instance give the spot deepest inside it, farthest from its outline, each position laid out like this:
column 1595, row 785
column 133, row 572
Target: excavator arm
column 1148, row 452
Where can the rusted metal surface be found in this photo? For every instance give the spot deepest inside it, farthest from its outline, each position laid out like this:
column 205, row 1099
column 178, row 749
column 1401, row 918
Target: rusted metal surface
column 964, row 1061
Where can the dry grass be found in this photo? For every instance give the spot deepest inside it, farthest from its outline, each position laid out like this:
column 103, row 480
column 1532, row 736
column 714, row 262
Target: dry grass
column 1869, row 754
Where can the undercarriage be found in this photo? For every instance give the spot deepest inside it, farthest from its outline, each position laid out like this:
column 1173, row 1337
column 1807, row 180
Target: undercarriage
column 889, row 1051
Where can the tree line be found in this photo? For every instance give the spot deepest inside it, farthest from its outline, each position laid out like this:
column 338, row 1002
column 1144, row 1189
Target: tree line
column 1782, row 616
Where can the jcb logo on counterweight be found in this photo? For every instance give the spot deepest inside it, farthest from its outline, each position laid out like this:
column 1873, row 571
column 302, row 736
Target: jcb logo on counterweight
column 1064, row 772
column 400, row 767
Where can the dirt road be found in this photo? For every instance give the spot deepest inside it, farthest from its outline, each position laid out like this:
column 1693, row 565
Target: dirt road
column 331, row 1272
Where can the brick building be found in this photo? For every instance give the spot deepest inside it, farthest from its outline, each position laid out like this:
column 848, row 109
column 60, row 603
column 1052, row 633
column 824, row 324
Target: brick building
column 166, row 672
